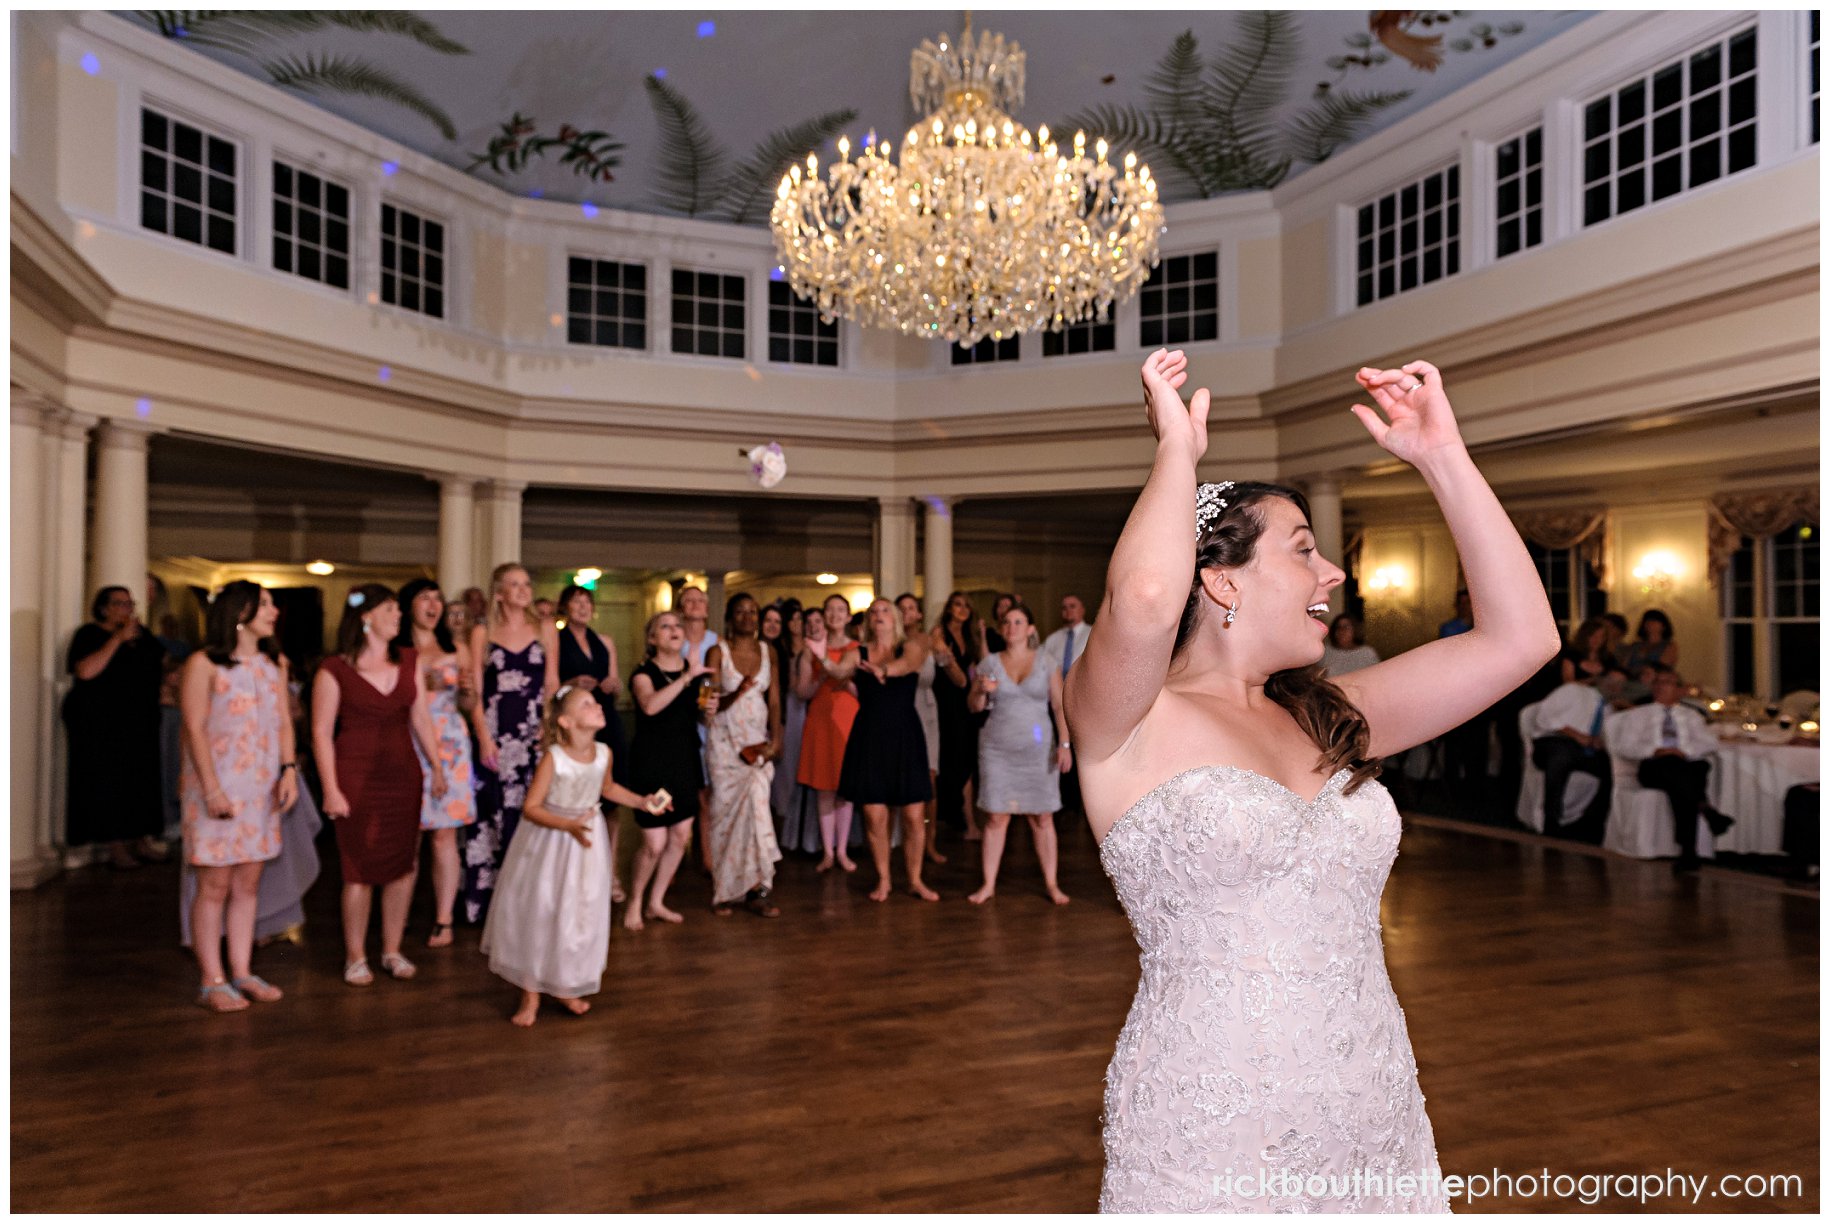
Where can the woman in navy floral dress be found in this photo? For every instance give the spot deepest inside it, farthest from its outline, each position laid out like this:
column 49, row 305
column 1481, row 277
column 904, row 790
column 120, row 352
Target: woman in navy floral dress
column 516, row 661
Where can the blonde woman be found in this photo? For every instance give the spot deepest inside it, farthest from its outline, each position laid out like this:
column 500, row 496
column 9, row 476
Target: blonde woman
column 886, row 757
column 514, row 660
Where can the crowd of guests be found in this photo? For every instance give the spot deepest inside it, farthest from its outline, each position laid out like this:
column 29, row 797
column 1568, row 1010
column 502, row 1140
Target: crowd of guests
column 488, row 726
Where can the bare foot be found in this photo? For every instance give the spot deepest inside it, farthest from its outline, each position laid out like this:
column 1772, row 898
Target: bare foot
column 577, row 1007
column 847, row 864
column 918, row 889
column 1057, row 896
column 632, row 919
column 882, row 891
column 825, row 864
column 723, row 911
column 617, row 896
column 527, row 1013
column 974, row 835
column 441, row 936
column 935, row 856
column 664, row 914
column 983, row 895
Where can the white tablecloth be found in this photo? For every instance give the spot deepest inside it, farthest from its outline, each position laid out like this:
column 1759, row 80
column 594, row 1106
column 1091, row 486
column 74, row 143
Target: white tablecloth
column 1749, row 782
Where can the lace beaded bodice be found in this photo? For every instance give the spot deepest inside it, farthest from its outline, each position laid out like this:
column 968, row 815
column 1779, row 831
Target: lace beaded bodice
column 1265, row 1034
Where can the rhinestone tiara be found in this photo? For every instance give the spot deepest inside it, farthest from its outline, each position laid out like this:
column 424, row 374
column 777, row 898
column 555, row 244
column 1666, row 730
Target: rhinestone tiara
column 1209, row 504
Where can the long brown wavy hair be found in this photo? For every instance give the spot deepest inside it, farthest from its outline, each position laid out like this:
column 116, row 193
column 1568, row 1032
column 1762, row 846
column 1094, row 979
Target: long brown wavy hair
column 1333, row 723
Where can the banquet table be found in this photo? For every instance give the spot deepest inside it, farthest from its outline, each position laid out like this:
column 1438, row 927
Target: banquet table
column 1749, row 780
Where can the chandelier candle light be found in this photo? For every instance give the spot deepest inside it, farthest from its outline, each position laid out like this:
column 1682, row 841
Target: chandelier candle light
column 983, row 230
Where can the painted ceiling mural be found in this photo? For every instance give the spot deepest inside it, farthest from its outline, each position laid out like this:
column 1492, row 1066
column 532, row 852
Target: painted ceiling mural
column 699, row 113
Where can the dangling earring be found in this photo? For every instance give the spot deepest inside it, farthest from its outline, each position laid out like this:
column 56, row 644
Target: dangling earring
column 1230, row 613
column 366, row 630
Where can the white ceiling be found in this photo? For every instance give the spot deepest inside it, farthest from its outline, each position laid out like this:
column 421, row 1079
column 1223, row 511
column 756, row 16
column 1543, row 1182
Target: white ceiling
column 759, row 71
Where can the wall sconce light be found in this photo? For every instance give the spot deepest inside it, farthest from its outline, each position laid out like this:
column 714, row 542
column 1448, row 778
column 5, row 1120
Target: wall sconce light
column 1657, row 572
column 862, row 600
column 323, row 569
column 1388, row 578
column 826, row 579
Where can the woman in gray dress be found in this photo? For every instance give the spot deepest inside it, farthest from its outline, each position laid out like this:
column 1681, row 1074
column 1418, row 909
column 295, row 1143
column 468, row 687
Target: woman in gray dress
column 1020, row 761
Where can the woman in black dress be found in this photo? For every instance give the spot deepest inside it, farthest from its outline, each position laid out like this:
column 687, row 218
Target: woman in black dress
column 587, row 660
column 664, row 756
column 886, row 758
column 955, row 642
column 112, row 718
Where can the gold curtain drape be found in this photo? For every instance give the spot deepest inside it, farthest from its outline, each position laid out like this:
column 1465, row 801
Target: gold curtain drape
column 1761, row 513
column 1585, row 528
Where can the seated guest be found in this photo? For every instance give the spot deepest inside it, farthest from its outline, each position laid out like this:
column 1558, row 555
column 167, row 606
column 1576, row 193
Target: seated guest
column 1587, row 655
column 1654, row 643
column 1570, row 742
column 1617, row 633
column 1670, row 742
column 1346, row 650
column 1462, row 621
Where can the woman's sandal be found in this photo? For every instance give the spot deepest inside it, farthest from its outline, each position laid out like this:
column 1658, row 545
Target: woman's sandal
column 723, row 909
column 357, row 973
column 258, row 989
column 399, row 967
column 231, row 999
column 441, row 936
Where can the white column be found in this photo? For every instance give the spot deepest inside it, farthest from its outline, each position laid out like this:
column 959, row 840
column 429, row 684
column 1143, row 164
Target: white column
column 895, row 546
column 66, row 456
column 457, row 550
column 30, row 707
column 119, row 555
column 1325, row 517
column 937, row 554
column 504, row 499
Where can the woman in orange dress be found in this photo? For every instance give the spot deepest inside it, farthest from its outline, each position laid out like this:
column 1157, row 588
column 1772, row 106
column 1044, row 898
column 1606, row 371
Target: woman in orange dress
column 830, row 712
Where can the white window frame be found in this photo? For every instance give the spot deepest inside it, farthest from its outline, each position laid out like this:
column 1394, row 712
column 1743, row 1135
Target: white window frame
column 1351, row 225
column 447, row 286
column 247, row 167
column 767, row 335
column 1221, row 313
column 750, row 332
column 357, row 206
column 567, row 254
column 1765, row 680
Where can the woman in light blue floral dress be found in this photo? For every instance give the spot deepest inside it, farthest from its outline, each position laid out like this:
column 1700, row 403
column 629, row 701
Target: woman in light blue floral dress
column 514, row 661
column 445, row 674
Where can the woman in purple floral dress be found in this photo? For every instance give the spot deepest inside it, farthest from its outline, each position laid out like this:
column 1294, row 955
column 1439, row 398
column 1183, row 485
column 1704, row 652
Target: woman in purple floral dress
column 515, row 661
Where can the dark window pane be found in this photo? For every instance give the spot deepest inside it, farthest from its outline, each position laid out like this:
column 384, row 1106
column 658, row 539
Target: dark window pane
column 682, row 340
column 733, row 317
column 1207, row 296
column 187, row 223
column 1506, row 201
column 578, row 331
column 1178, row 299
column 683, row 281
column 389, row 255
column 683, row 312
column 1595, row 205
column 1432, row 191
column 336, row 271
column 1667, row 86
column 1630, row 104
column 336, row 200
column 222, row 157
column 390, row 221
column 1363, row 261
column 282, row 255
column 1407, row 273
column 1207, row 327
column 1595, row 162
column 1534, row 228
column 308, row 227
column 152, row 171
column 187, row 183
column 1741, row 101
column 282, row 179
column 1631, row 190
column 1150, row 301
column 1741, row 148
column 309, row 263
column 1365, row 221
column 1797, row 648
column 708, row 314
column 1178, row 329
column 1741, row 52
column 803, row 352
column 390, row 288
column 336, row 236
column 1705, row 163
column 1534, row 146
column 187, row 142
column 1150, row 333
column 1595, row 119
column 1388, row 281
column 222, row 235
column 435, row 303
column 1506, row 159
column 1451, row 260
column 578, row 271
column 154, row 130
column 708, row 285
column 1534, row 188
column 578, row 301
column 1667, row 132
column 635, row 336
column 1667, row 178
column 409, row 261
column 1705, row 115
column 1507, row 239
column 409, row 294
column 409, row 227
column 308, row 190
column 1407, row 205
column 778, row 348
column 1364, row 293
column 1705, row 69
column 1207, row 265
column 1630, row 147
column 733, row 288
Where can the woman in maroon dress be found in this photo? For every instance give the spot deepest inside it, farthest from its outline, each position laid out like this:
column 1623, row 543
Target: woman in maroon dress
column 367, row 703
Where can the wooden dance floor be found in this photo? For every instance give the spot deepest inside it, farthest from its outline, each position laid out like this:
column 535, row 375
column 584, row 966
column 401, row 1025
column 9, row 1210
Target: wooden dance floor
column 1569, row 1012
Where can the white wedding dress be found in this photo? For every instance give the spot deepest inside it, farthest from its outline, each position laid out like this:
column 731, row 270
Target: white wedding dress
column 549, row 922
column 1265, row 1035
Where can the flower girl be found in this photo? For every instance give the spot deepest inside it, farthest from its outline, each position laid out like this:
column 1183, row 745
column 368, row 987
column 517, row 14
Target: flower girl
column 548, row 930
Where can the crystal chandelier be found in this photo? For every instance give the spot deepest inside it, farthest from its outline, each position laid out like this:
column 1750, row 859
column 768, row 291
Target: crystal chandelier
column 983, row 230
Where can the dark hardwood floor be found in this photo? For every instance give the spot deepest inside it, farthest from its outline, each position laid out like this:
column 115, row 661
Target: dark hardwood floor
column 1569, row 1011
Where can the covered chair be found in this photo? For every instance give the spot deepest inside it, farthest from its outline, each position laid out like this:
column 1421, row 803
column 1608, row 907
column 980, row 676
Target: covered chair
column 1639, row 820
column 1577, row 796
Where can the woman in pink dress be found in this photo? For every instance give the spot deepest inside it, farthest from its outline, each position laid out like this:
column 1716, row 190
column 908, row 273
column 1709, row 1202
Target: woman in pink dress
column 239, row 775
column 1265, row 1064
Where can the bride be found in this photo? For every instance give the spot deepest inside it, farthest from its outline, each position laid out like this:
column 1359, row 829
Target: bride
column 1265, row 1064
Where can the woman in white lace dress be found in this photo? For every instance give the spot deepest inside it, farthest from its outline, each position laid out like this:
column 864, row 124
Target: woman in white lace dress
column 1265, row 1064
column 740, row 751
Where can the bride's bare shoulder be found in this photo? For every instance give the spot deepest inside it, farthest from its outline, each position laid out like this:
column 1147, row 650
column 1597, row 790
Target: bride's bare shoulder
column 1170, row 739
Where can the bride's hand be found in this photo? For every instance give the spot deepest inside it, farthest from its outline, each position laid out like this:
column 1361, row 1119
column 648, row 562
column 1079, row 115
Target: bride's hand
column 1421, row 421
column 1172, row 420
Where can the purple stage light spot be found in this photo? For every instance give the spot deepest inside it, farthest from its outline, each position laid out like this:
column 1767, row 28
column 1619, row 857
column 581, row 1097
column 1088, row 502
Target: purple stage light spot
column 389, row 168
column 91, row 65
column 660, row 74
column 778, row 273
column 707, row 29
column 385, row 373
column 142, row 408
column 590, row 209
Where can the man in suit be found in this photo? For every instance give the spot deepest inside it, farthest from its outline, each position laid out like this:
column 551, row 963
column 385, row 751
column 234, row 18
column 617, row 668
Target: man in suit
column 1063, row 647
column 1570, row 742
column 1671, row 743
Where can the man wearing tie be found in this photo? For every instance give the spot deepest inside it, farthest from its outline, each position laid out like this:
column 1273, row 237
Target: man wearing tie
column 1671, row 742
column 1063, row 646
column 1570, row 719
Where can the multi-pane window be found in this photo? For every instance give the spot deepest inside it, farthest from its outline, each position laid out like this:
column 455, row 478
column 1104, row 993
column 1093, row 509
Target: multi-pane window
column 797, row 334
column 310, row 226
column 984, row 351
column 606, row 303
column 1181, row 301
column 412, row 261
column 187, row 182
column 1094, row 335
column 708, row 318
column 1770, row 603
column 1410, row 237
column 1518, row 193
column 1811, row 66
column 1683, row 125
column 1571, row 585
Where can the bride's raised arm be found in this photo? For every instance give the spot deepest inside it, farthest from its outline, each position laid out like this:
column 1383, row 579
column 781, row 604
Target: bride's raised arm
column 1121, row 671
column 1418, row 695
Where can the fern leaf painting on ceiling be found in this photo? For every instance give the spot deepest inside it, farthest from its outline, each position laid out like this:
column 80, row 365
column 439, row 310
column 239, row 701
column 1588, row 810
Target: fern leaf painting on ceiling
column 250, row 33
column 1210, row 122
column 696, row 176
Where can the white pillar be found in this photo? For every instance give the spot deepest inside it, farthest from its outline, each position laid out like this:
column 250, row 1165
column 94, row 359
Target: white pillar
column 120, row 508
column 1324, row 494
column 937, row 554
column 66, row 459
column 457, row 550
column 30, row 705
column 504, row 500
column 895, row 546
